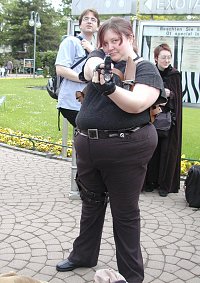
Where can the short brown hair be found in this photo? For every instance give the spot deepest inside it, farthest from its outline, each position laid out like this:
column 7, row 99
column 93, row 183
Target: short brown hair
column 118, row 25
column 85, row 12
column 159, row 48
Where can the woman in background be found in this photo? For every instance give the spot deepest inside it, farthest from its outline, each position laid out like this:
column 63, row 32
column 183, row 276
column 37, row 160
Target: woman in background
column 164, row 168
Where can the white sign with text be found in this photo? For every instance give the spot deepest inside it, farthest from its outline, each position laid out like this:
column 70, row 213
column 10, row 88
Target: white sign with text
column 175, row 31
column 163, row 7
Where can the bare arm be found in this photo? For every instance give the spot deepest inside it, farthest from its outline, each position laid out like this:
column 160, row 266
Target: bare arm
column 90, row 67
column 71, row 75
column 67, row 73
column 141, row 98
column 136, row 101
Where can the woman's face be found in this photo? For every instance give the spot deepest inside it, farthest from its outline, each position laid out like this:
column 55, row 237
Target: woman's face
column 164, row 59
column 113, row 46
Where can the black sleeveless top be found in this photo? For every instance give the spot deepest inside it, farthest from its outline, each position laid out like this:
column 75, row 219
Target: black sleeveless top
column 100, row 112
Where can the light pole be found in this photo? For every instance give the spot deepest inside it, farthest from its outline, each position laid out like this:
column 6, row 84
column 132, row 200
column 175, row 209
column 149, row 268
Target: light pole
column 34, row 22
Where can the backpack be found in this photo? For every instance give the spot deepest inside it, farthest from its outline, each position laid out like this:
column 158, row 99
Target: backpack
column 54, row 83
column 53, row 86
column 192, row 186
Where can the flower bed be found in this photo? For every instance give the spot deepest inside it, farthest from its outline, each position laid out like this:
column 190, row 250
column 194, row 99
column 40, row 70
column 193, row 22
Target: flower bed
column 21, row 140
column 18, row 139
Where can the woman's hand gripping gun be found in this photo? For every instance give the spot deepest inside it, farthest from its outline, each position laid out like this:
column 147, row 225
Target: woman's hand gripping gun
column 106, row 85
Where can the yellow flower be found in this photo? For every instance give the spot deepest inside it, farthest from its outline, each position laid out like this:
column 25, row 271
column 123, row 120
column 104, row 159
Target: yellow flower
column 14, row 138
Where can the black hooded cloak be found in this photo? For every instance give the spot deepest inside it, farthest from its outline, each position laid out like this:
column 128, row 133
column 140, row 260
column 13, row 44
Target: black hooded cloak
column 165, row 166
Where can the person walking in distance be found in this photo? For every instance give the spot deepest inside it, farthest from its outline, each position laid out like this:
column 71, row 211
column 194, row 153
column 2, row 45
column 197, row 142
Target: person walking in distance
column 72, row 49
column 9, row 67
column 114, row 141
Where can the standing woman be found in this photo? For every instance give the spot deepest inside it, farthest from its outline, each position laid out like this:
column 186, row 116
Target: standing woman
column 164, row 168
column 115, row 140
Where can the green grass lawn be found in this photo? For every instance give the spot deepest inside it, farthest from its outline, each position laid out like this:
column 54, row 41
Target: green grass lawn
column 31, row 110
column 191, row 133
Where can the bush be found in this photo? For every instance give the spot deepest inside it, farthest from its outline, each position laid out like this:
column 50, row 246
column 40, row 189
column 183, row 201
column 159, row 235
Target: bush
column 48, row 60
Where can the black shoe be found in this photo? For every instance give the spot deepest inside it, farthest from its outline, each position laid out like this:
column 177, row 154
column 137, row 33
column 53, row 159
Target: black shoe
column 148, row 189
column 66, row 265
column 163, row 193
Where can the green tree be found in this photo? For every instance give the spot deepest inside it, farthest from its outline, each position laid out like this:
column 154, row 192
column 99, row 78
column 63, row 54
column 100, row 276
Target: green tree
column 1, row 23
column 18, row 33
column 66, row 14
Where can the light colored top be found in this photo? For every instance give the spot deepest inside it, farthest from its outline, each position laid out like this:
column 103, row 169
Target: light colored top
column 70, row 52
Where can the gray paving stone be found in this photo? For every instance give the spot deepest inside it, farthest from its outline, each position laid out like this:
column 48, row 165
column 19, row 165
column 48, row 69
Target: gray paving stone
column 38, row 223
column 167, row 277
column 186, row 264
column 196, row 270
column 183, row 255
column 171, row 268
column 194, row 280
column 184, row 274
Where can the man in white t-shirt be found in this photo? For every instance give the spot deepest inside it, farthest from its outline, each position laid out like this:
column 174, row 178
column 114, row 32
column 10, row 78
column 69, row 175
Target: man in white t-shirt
column 72, row 49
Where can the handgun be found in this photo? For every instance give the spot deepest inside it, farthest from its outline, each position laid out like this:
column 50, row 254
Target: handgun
column 107, row 68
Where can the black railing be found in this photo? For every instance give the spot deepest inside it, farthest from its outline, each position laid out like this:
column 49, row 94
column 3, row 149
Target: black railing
column 189, row 159
column 33, row 140
column 49, row 152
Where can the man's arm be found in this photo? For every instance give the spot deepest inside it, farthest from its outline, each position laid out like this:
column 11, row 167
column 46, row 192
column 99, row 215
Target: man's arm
column 90, row 67
column 67, row 73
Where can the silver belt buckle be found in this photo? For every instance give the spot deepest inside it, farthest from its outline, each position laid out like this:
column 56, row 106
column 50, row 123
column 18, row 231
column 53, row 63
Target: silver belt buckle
column 93, row 134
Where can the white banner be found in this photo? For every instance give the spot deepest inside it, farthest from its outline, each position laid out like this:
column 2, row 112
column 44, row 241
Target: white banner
column 173, row 31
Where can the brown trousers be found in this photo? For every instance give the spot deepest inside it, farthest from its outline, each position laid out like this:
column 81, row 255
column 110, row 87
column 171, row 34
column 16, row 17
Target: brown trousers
column 118, row 166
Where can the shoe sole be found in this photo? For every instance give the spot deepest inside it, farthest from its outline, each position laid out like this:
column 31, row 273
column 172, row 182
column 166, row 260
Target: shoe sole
column 163, row 195
column 67, row 269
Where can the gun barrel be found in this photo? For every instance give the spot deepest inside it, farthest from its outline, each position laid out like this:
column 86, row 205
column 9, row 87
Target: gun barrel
column 107, row 68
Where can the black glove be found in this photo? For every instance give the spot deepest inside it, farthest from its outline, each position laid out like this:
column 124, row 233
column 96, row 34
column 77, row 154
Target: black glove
column 105, row 89
column 81, row 77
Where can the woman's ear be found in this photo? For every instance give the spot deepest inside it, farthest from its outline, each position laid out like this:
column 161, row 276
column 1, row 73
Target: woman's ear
column 131, row 39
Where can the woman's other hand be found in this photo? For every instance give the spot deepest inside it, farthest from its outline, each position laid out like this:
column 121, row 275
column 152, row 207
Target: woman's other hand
column 167, row 91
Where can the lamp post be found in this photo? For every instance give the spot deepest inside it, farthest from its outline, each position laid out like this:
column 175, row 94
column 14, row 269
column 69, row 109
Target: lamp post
column 34, row 22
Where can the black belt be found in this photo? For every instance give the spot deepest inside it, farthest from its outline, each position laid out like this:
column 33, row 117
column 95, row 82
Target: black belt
column 104, row 134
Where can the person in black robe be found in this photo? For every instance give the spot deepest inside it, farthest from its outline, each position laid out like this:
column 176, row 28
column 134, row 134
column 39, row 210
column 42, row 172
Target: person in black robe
column 165, row 166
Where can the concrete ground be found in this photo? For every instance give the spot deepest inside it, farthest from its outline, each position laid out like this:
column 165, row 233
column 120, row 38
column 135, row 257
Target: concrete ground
column 38, row 223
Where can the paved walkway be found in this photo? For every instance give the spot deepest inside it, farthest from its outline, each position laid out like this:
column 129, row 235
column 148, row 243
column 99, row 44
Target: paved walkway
column 38, row 223
column 18, row 76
